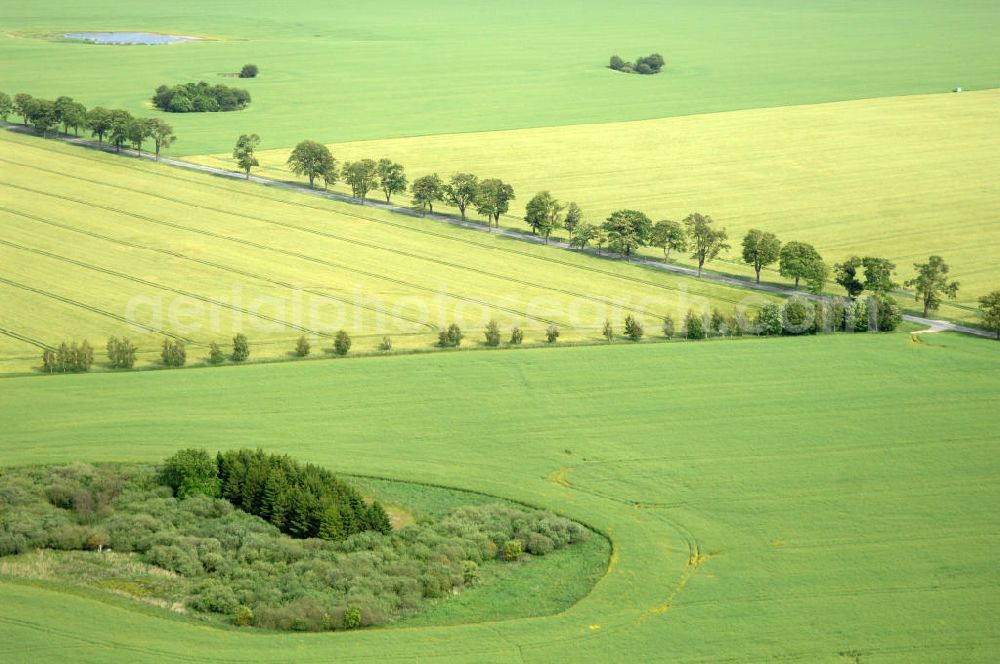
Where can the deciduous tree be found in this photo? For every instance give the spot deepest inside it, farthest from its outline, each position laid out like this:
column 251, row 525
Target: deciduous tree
column 99, row 122
column 760, row 249
column 583, row 235
column 574, row 216
column 461, row 191
column 846, row 274
column 391, row 178
column 668, row 236
column 627, row 231
column 931, row 283
column 706, row 240
column 361, row 176
column 310, row 159
column 6, row 106
column 543, row 213
column 22, row 105
column 245, row 152
column 878, row 274
column 426, row 190
column 493, row 200
column 799, row 260
column 989, row 304
column 119, row 128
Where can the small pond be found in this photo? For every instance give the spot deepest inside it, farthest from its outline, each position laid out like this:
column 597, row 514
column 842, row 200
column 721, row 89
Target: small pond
column 148, row 38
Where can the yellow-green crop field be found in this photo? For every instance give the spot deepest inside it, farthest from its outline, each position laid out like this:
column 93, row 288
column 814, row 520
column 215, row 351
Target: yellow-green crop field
column 902, row 177
column 96, row 246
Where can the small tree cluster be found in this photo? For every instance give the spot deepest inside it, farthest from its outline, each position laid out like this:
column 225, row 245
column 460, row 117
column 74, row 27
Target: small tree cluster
column 450, row 338
column 173, row 353
column 552, row 334
column 342, row 343
column 241, row 348
column 215, row 354
column 300, row 500
column 68, row 358
column 121, row 353
column 647, row 64
column 200, row 97
column 516, row 336
column 492, row 333
column 249, row 71
column 633, row 328
column 302, row 346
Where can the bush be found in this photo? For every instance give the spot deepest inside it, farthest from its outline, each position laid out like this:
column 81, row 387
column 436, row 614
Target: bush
column 857, row 316
column 538, row 544
column 341, row 343
column 717, row 324
column 385, row 344
column 241, row 348
column 516, row 336
column 174, row 353
column 302, row 346
column 633, row 328
column 769, row 320
column 492, row 333
column 352, row 618
column 243, row 616
column 215, row 355
column 249, row 71
column 798, row 316
column 451, row 338
column 190, row 472
column 694, row 328
column 647, row 64
column 121, row 353
column 552, row 334
column 668, row 326
column 884, row 313
column 512, row 550
column 214, row 597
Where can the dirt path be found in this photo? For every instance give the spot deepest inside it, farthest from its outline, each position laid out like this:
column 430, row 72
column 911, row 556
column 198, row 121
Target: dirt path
column 932, row 325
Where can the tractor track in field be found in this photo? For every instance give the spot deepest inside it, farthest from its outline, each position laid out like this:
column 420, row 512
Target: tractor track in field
column 403, row 227
column 399, row 252
column 83, row 305
column 144, row 282
column 299, row 255
column 26, row 339
column 174, row 254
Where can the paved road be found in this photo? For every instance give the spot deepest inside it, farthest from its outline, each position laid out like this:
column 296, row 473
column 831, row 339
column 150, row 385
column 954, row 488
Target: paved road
column 932, row 325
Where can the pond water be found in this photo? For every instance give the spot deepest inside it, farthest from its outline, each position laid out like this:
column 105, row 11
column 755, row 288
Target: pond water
column 148, row 38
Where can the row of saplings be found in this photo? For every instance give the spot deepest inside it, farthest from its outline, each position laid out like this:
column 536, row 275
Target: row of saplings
column 795, row 316
column 257, row 539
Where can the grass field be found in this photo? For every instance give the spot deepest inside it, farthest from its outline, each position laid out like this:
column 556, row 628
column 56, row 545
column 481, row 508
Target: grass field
column 334, row 73
column 901, row 177
column 96, row 245
column 827, row 499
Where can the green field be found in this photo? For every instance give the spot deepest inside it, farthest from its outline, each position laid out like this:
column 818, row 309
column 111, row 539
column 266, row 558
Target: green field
column 96, row 245
column 792, row 499
column 902, row 177
column 332, row 72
